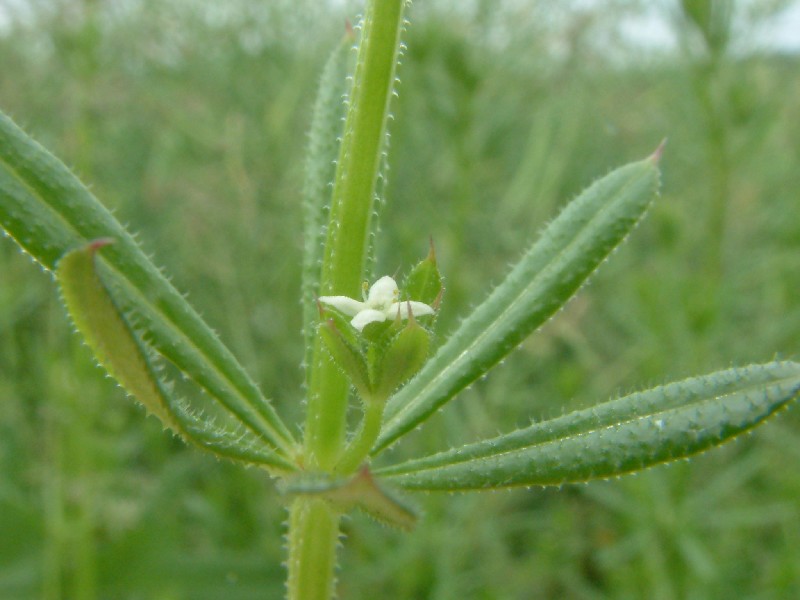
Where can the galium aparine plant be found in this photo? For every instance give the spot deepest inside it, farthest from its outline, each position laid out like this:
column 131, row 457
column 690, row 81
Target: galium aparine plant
column 367, row 346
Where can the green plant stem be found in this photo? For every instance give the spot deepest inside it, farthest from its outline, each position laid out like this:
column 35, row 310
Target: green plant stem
column 347, row 242
column 313, row 536
column 364, row 438
column 313, row 524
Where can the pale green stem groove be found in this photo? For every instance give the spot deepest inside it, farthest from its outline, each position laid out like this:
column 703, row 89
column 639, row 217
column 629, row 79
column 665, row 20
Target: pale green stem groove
column 313, row 537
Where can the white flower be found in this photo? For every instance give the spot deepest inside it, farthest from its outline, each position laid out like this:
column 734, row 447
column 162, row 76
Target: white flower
column 381, row 304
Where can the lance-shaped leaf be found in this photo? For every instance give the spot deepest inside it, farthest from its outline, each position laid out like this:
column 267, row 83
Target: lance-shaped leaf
column 358, row 491
column 568, row 251
column 49, row 212
column 624, row 435
column 324, row 137
column 107, row 334
column 119, row 350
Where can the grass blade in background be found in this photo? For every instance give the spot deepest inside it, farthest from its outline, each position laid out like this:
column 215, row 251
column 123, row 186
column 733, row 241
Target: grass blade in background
column 49, row 212
column 624, row 435
column 569, row 250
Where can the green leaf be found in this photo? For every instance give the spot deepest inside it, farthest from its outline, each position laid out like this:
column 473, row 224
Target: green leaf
column 49, row 212
column 106, row 333
column 621, row 436
column 228, row 440
column 568, row 251
column 358, row 491
column 323, row 149
column 119, row 350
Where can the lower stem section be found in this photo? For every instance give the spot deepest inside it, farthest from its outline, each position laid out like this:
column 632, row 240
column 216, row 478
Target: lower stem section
column 313, row 537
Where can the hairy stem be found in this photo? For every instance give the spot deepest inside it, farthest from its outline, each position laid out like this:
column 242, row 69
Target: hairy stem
column 313, row 535
column 313, row 524
column 346, row 246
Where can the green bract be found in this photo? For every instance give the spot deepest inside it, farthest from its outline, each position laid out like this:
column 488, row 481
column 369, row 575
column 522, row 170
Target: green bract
column 382, row 346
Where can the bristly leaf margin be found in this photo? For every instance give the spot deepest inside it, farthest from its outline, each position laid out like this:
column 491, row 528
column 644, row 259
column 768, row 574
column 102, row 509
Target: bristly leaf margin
column 123, row 354
column 628, row 434
column 568, row 251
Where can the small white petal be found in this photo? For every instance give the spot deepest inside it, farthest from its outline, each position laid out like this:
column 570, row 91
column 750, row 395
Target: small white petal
column 382, row 293
column 367, row 316
column 418, row 309
column 346, row 305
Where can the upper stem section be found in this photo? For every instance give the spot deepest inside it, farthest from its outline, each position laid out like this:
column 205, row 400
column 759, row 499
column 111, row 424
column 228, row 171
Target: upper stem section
column 347, row 242
column 360, row 153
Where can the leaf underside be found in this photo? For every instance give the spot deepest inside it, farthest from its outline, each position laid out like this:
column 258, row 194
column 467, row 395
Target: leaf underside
column 120, row 350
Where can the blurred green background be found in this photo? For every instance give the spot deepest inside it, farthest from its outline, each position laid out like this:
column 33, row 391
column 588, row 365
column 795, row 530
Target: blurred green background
column 188, row 118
